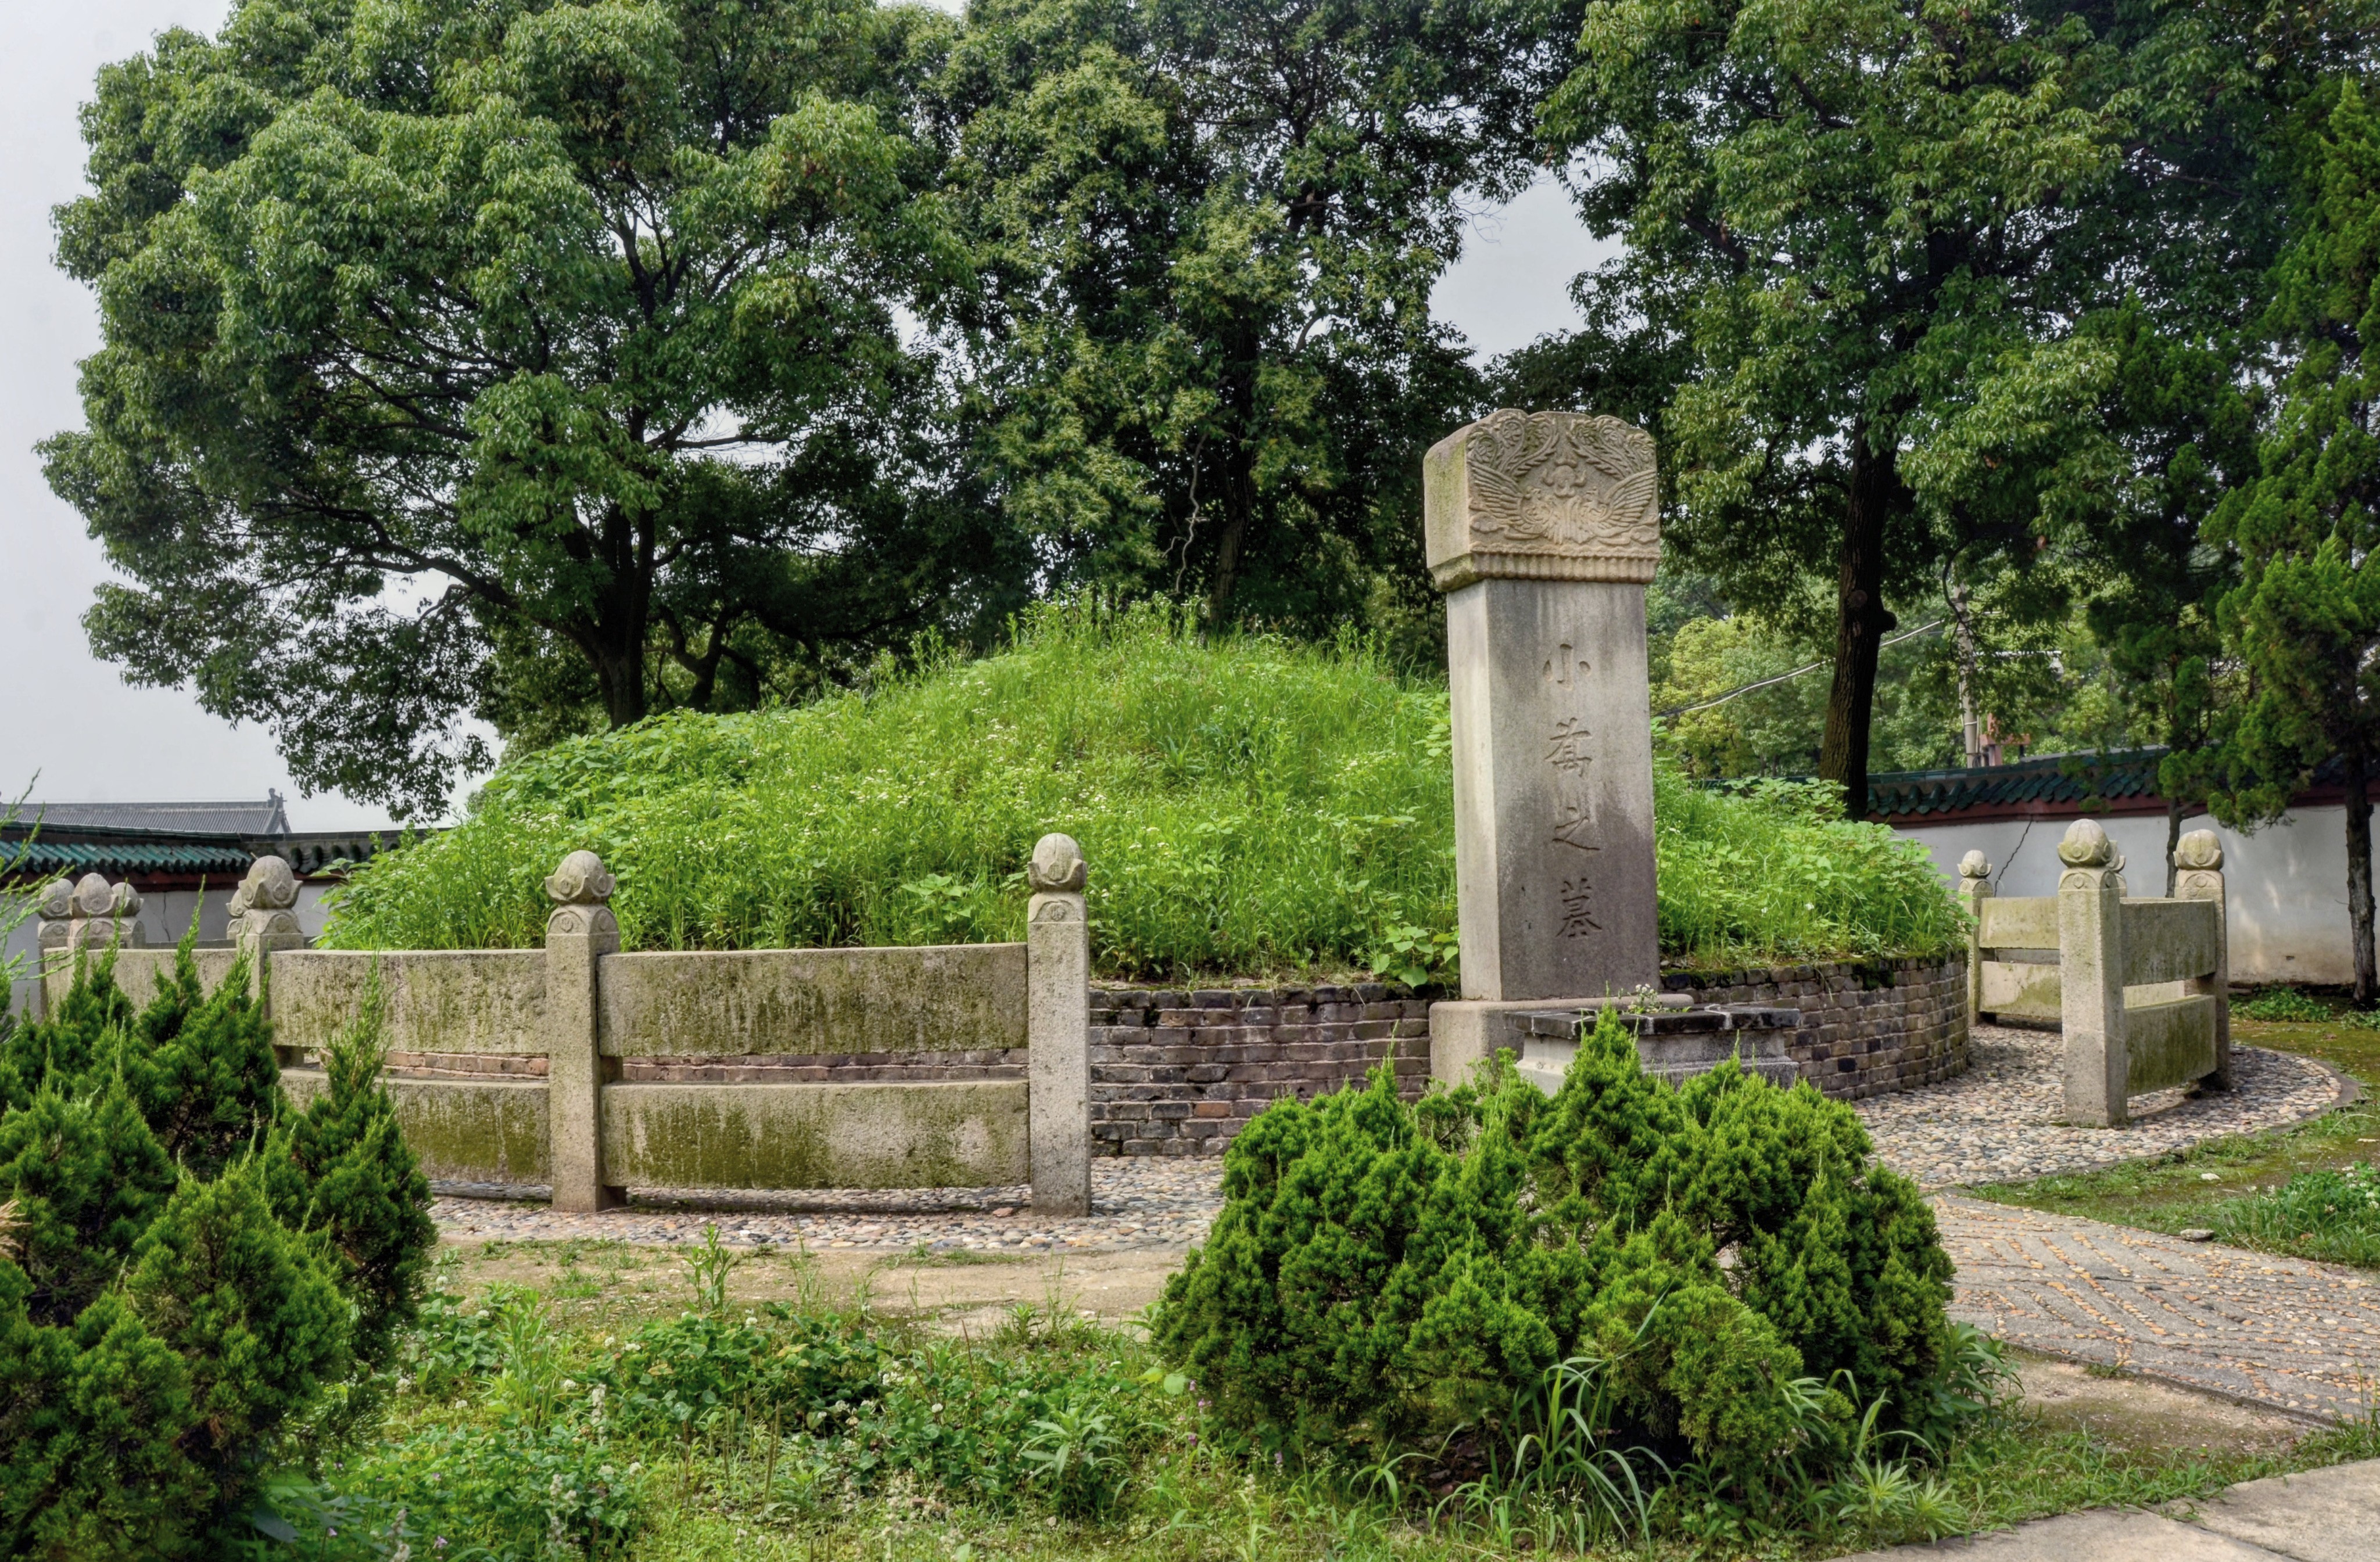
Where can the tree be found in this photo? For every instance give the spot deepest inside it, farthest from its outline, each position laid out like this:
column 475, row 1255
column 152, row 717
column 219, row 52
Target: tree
column 1209, row 230
column 1866, row 239
column 503, row 358
column 2306, row 616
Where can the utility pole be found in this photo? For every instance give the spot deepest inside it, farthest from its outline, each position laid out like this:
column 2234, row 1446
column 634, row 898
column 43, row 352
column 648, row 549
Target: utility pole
column 1965, row 633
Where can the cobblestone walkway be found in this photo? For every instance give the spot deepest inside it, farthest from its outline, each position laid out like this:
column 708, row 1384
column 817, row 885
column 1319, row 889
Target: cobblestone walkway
column 2302, row 1336
column 1998, row 1121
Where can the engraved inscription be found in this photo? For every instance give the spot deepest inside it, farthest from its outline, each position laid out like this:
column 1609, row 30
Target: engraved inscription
column 1578, row 909
column 1566, row 750
column 1563, row 664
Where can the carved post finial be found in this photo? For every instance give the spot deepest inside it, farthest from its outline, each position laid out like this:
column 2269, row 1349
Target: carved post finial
column 55, row 905
column 2199, row 849
column 582, row 881
column 1057, row 867
column 104, row 914
column 263, row 915
column 579, row 888
column 1975, row 865
column 2086, row 846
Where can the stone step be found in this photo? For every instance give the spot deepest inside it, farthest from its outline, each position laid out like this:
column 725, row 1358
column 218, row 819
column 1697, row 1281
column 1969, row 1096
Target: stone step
column 1675, row 1045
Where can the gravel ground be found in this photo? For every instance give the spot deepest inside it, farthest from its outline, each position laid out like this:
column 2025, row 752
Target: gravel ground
column 1997, row 1123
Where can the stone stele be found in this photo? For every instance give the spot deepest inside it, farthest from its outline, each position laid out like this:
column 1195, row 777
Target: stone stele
column 1544, row 529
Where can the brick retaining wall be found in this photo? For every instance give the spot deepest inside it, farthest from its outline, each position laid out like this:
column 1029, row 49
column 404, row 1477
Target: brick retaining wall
column 1176, row 1073
column 1869, row 1028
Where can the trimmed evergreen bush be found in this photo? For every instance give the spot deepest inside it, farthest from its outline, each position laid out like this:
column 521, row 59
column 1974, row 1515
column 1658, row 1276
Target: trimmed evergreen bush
column 1727, row 1260
column 185, row 1262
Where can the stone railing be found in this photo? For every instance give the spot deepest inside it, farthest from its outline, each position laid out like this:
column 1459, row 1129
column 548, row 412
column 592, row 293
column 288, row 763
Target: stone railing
column 590, row 1070
column 2138, row 986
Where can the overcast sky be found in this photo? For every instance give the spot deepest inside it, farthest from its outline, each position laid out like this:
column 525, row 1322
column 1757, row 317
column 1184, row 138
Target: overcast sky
column 93, row 738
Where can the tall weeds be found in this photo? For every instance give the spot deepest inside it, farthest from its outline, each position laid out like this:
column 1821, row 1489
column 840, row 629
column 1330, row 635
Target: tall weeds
column 1248, row 806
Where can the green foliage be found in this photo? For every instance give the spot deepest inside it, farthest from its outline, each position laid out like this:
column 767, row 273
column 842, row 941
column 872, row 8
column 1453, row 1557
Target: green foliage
column 1247, row 806
column 250, row 1309
column 1384, row 1274
column 1206, row 235
column 580, row 315
column 161, row 1328
column 344, row 1174
column 87, row 1179
column 202, row 1067
column 2330, row 1215
column 2304, row 618
column 2282, row 1005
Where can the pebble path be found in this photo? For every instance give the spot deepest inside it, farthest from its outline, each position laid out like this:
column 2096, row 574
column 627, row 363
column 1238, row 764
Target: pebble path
column 1998, row 1121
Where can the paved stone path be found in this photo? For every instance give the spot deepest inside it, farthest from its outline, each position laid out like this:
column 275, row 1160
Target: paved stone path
column 2302, row 1336
column 2322, row 1516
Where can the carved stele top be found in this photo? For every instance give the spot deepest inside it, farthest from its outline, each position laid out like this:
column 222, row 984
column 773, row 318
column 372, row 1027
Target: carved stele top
column 1541, row 496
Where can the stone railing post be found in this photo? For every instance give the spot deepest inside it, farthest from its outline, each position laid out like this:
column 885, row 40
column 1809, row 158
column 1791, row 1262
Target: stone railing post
column 2090, row 976
column 53, row 906
column 263, row 916
column 2199, row 856
column 578, row 934
column 1058, row 1029
column 1975, row 888
column 103, row 914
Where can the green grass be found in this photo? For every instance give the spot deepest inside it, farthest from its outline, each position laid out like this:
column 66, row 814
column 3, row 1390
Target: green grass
column 495, row 1429
column 2286, row 1191
column 1249, row 807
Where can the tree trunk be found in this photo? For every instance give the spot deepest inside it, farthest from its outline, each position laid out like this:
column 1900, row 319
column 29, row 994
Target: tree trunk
column 1860, row 624
column 2173, row 844
column 2358, row 876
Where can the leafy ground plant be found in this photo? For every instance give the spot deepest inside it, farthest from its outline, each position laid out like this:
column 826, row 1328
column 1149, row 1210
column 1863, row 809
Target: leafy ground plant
column 1249, row 807
column 2282, row 1004
column 825, row 1428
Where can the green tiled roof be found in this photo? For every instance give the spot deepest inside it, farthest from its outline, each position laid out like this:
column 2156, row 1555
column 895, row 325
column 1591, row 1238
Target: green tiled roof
column 2060, row 778
column 46, row 859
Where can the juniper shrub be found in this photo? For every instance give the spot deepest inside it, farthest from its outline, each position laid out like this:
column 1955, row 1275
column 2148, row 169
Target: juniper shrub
column 161, row 1324
column 1728, row 1256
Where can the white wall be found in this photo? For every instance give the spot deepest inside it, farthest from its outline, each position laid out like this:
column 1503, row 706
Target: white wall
column 2286, row 883
column 165, row 916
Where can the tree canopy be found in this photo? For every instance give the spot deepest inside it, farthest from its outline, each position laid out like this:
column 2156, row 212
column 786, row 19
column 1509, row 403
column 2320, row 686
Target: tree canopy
column 493, row 360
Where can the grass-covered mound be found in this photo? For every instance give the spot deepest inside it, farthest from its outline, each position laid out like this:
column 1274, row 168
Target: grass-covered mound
column 1248, row 806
